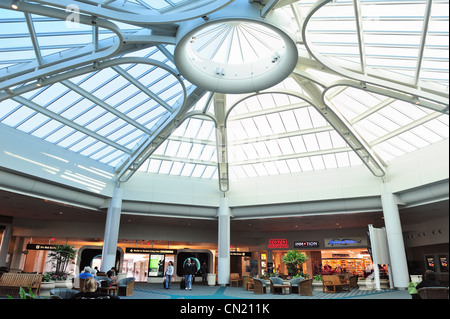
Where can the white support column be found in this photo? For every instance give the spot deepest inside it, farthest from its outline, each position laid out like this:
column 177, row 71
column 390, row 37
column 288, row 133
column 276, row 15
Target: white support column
column 17, row 260
column 6, row 238
column 399, row 267
column 223, row 276
column 112, row 231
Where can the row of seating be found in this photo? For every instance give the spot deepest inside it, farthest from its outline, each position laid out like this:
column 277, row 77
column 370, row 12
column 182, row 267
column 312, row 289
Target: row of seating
column 299, row 285
column 124, row 288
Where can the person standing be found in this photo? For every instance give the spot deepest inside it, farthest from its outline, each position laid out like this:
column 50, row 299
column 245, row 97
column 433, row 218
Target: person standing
column 204, row 271
column 189, row 270
column 169, row 273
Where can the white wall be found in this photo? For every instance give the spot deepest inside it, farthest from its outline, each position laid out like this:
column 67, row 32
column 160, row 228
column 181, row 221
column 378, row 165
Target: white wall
column 31, row 156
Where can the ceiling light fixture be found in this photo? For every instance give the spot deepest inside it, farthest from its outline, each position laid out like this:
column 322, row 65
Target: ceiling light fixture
column 39, row 82
column 15, row 4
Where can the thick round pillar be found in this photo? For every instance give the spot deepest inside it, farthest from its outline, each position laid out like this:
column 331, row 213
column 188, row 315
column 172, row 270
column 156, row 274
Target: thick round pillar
column 223, row 276
column 112, row 231
column 397, row 254
column 6, row 238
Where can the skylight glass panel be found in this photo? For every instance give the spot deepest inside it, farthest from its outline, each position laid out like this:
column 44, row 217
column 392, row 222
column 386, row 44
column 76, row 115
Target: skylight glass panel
column 210, row 172
column 311, row 142
column 317, row 163
column 198, row 171
column 184, row 149
column 330, row 161
column 176, row 168
column 426, row 132
column 92, row 148
column 438, row 126
column 293, row 165
column 154, row 165
column 32, row 122
column 271, row 168
column 282, row 167
column 206, row 131
column 208, row 153
column 59, row 133
column 289, row 121
column 285, row 146
column 187, row 169
column 306, row 164
column 165, row 167
column 251, row 172
column 261, row 149
column 237, row 172
column 342, row 159
column 276, row 123
column 298, row 144
column 250, row 151
column 194, row 151
column 303, row 117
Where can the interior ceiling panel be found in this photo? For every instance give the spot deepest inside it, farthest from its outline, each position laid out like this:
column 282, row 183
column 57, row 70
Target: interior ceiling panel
column 370, row 85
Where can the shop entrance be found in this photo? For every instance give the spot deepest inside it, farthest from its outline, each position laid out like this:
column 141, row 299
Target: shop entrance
column 354, row 261
column 136, row 265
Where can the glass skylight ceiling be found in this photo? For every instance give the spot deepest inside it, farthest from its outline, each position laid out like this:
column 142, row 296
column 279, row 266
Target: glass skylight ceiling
column 108, row 113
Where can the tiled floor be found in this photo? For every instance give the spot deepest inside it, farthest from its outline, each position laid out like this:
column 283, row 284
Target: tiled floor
column 156, row 291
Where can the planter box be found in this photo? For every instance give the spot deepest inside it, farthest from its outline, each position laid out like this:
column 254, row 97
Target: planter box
column 365, row 284
column 317, row 285
column 45, row 288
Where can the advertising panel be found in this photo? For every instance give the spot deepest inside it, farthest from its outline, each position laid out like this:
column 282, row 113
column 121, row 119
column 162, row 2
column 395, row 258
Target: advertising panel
column 156, row 265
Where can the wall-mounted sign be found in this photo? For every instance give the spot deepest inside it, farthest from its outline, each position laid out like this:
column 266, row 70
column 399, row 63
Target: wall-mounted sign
column 340, row 255
column 278, row 243
column 241, row 253
column 306, row 244
column 346, row 242
column 40, row 247
column 129, row 250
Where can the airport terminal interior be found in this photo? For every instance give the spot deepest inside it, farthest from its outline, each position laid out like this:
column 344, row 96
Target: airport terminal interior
column 232, row 132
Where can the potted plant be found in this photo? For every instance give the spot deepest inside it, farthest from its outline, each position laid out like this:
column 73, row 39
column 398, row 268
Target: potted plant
column 27, row 295
column 294, row 262
column 60, row 257
column 46, row 285
column 317, row 282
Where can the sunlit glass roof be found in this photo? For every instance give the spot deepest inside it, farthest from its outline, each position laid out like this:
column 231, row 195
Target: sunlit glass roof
column 370, row 85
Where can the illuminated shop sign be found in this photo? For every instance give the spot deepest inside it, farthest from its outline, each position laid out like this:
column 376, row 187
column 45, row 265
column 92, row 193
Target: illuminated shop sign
column 278, row 243
column 150, row 251
column 306, row 244
column 345, row 242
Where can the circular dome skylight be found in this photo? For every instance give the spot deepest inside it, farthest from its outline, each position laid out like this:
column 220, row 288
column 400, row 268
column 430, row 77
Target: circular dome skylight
column 235, row 56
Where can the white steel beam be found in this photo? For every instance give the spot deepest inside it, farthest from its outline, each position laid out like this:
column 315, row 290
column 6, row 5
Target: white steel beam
column 221, row 140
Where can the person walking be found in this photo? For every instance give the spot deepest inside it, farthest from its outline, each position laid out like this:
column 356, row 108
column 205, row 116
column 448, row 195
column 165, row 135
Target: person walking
column 189, row 270
column 169, row 273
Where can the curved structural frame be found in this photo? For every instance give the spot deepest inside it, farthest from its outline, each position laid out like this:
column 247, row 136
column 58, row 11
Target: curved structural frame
column 433, row 99
column 177, row 26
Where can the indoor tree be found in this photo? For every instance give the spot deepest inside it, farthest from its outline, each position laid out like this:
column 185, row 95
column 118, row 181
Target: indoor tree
column 61, row 257
column 294, row 260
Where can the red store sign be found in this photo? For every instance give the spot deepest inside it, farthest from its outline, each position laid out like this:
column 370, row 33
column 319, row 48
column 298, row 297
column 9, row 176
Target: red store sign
column 278, row 243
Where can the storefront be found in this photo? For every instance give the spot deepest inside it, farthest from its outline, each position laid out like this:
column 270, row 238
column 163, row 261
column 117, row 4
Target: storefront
column 332, row 255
